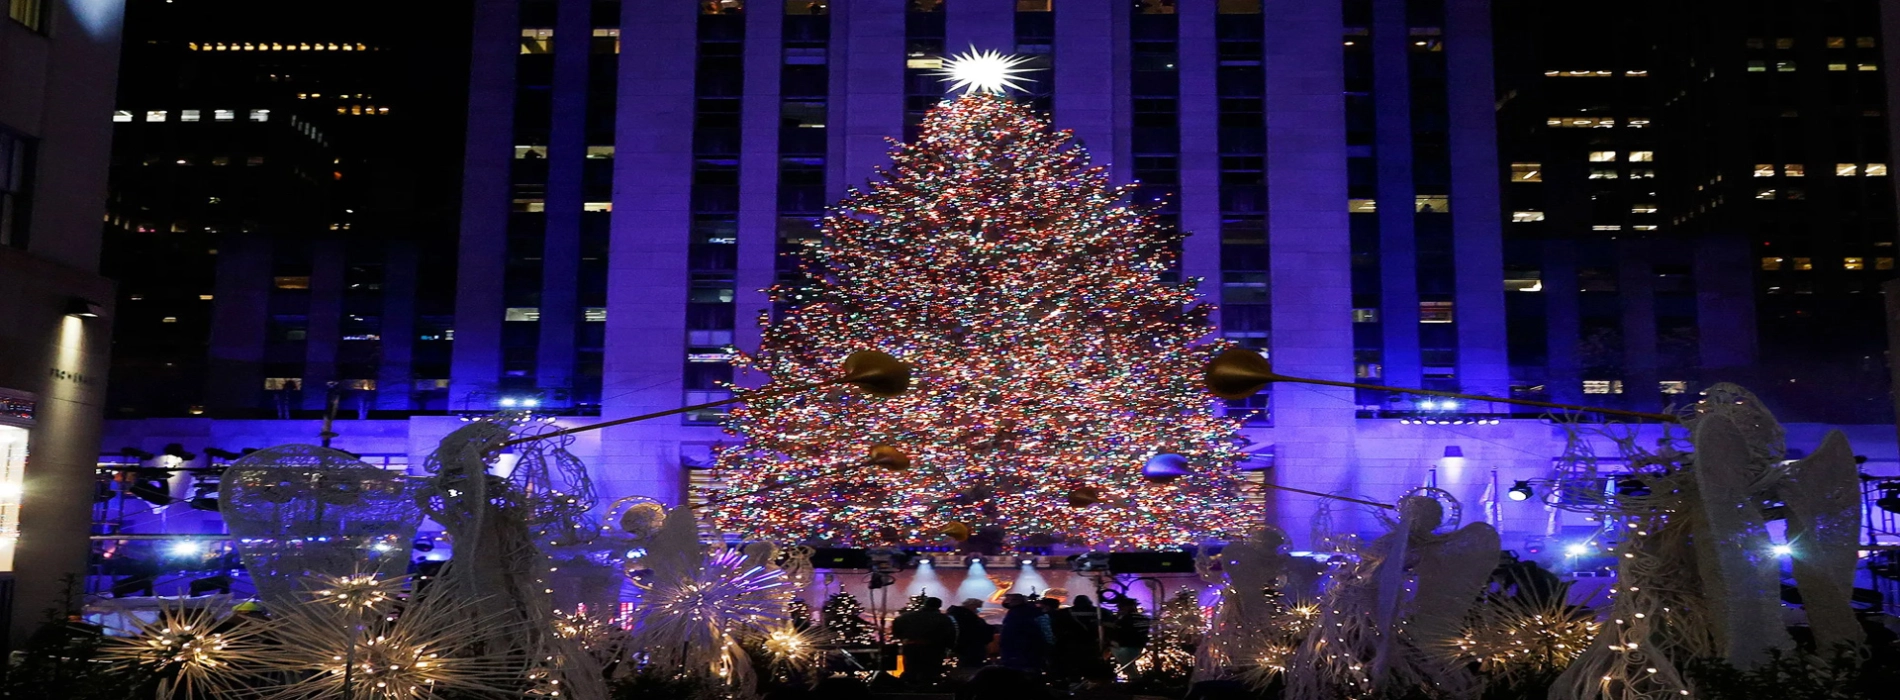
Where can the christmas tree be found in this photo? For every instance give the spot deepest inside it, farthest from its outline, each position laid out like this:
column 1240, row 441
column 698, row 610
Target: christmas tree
column 844, row 616
column 1177, row 633
column 1050, row 359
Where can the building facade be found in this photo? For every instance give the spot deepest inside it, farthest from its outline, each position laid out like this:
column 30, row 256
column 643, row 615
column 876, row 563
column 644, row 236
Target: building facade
column 634, row 171
column 1699, row 193
column 279, row 178
column 58, row 63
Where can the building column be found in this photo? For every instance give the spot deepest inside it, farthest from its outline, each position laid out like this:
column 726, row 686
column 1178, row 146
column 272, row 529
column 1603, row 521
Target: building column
column 1392, row 153
column 323, row 334
column 1085, row 94
column 1725, row 302
column 395, row 376
column 1484, row 365
column 475, row 366
column 988, row 25
column 646, row 273
column 1564, row 321
column 867, row 90
column 1636, row 289
column 759, row 114
column 239, row 306
column 567, row 151
column 1311, row 253
column 1199, row 115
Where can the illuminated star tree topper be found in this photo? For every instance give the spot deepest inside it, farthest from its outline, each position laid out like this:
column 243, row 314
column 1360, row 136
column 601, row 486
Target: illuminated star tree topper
column 984, row 72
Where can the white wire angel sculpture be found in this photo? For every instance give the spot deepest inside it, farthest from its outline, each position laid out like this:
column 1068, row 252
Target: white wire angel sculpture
column 1381, row 627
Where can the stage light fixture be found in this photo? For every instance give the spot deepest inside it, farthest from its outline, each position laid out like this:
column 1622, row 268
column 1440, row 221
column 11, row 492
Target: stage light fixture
column 1577, row 550
column 185, row 548
column 1520, row 491
column 1781, row 550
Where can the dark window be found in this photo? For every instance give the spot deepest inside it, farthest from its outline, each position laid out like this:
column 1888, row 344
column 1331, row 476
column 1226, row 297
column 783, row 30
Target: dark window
column 16, row 163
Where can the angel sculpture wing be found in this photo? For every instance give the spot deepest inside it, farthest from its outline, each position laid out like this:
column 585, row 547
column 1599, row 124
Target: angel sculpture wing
column 1823, row 496
column 1451, row 574
column 1741, row 579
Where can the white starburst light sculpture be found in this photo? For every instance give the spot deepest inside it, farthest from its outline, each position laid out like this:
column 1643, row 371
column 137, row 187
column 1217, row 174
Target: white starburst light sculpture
column 988, row 72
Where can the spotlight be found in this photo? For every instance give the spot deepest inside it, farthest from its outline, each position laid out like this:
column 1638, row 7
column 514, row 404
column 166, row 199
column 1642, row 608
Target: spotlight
column 382, row 546
column 509, row 402
column 531, row 402
column 1520, row 491
column 1029, row 562
column 185, row 548
column 1428, row 405
column 82, row 308
column 1781, row 550
column 1576, row 550
column 1448, row 405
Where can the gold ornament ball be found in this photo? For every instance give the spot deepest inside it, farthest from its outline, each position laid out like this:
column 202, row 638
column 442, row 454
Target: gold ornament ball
column 642, row 520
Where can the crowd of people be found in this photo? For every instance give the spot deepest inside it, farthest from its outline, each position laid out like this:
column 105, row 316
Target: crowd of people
column 1040, row 640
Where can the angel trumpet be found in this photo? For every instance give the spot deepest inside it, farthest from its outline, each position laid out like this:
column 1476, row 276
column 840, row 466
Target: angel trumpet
column 1237, row 373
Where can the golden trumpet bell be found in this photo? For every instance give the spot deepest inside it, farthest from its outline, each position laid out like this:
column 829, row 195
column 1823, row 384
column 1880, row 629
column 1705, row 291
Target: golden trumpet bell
column 877, row 373
column 889, row 458
column 956, row 530
column 1238, row 373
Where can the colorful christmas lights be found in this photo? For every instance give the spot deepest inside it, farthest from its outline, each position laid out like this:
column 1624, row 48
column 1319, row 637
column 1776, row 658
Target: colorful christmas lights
column 1050, row 358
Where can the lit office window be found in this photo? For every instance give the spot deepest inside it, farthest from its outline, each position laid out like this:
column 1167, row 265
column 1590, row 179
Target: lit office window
column 1365, row 315
column 1527, row 172
column 1868, row 67
column 1875, row 170
column 1764, row 170
column 531, row 152
column 1784, row 43
column 521, row 313
column 600, row 152
column 1432, row 204
column 283, row 383
column 1642, row 156
column 187, row 115
column 1361, row 206
column 1846, row 169
column 1883, row 263
column 1642, row 174
column 1602, row 174
column 1644, row 208
column 537, row 40
column 1644, row 227
column 1603, row 156
column 1794, row 170
column 260, row 115
column 1526, row 216
column 1765, row 193
column 1837, row 67
column 1603, row 386
column 1757, row 67
column 1863, row 42
column 1435, row 312
column 121, row 115
column 1784, row 66
column 1803, row 263
column 223, row 115
column 1673, row 387
column 1853, row 263
column 606, row 40
column 155, row 115
column 1607, row 227
column 597, row 206
column 1837, row 42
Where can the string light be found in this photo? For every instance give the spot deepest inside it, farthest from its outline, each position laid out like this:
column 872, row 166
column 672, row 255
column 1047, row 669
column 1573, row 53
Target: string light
column 1048, row 356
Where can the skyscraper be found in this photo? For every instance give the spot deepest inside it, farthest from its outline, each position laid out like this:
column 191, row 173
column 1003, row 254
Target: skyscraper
column 1698, row 192
column 55, row 309
column 276, row 188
